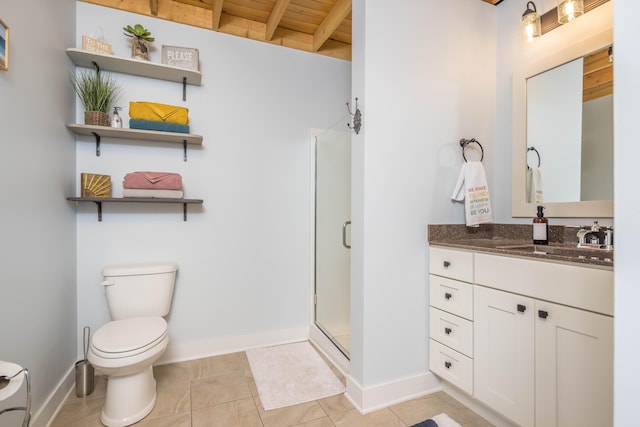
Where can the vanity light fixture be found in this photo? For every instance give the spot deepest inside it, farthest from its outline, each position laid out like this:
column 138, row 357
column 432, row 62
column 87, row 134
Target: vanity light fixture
column 531, row 22
column 551, row 19
column 568, row 10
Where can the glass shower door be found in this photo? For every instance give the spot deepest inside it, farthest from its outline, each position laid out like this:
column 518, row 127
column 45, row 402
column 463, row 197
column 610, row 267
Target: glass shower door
column 333, row 235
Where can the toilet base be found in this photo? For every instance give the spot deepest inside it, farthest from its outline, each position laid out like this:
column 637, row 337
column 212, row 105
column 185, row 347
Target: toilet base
column 129, row 398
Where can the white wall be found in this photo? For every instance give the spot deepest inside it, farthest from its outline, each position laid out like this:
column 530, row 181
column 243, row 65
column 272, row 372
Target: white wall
column 244, row 256
column 627, row 210
column 37, row 162
column 423, row 84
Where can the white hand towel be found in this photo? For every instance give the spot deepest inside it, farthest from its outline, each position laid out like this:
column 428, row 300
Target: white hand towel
column 534, row 185
column 473, row 189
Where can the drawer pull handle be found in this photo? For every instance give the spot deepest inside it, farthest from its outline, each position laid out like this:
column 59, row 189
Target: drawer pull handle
column 447, row 365
column 447, row 331
column 447, row 296
column 543, row 314
column 446, row 264
column 521, row 308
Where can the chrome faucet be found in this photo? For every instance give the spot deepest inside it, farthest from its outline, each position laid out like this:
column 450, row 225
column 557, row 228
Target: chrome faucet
column 596, row 237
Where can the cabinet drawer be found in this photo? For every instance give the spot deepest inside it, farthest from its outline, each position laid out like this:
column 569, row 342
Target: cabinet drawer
column 451, row 263
column 452, row 331
column 451, row 366
column 579, row 286
column 451, row 296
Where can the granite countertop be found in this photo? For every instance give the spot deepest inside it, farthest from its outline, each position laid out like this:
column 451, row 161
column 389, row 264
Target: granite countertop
column 515, row 240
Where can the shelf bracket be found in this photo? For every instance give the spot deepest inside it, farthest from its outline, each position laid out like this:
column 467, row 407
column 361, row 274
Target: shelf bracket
column 184, row 88
column 184, row 211
column 97, row 143
column 99, row 205
column 96, row 66
column 184, row 147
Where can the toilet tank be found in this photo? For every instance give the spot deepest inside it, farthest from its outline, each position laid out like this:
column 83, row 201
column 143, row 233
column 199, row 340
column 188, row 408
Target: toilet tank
column 139, row 289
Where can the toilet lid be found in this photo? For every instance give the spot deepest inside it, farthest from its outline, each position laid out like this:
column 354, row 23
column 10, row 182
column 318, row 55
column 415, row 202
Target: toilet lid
column 127, row 335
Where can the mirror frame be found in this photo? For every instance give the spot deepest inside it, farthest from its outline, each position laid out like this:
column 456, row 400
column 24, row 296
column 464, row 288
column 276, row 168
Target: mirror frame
column 519, row 205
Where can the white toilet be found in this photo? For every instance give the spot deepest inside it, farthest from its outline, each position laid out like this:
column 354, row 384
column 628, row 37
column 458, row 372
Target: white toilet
column 124, row 349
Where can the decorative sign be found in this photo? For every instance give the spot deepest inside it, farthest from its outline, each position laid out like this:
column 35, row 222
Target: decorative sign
column 182, row 57
column 95, row 185
column 93, row 45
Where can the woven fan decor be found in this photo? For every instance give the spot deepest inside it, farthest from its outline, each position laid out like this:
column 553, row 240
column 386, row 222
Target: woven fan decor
column 94, row 185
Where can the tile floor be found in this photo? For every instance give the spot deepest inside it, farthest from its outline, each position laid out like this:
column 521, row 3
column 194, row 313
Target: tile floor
column 220, row 392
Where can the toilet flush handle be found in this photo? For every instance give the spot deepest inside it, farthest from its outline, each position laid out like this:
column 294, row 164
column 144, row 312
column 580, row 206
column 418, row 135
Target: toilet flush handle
column 108, row 283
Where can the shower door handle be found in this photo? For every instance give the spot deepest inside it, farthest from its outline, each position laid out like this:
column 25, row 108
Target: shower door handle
column 344, row 234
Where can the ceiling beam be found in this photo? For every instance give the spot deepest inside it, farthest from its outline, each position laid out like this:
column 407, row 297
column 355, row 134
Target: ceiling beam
column 341, row 9
column 275, row 17
column 217, row 14
column 201, row 13
column 153, row 7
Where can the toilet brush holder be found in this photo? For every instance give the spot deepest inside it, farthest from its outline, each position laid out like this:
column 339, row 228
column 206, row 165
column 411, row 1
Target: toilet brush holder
column 84, row 369
column 84, row 378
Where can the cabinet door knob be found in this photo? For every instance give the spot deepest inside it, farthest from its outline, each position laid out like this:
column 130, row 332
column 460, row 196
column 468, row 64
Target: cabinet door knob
column 522, row 308
column 447, row 331
column 447, row 365
column 447, row 296
column 446, row 264
column 543, row 314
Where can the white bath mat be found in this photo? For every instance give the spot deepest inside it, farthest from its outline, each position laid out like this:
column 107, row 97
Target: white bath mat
column 289, row 374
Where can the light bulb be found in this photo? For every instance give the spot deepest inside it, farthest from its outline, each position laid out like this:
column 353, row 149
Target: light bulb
column 568, row 10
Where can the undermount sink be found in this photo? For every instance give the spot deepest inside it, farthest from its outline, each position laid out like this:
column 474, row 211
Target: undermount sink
column 569, row 252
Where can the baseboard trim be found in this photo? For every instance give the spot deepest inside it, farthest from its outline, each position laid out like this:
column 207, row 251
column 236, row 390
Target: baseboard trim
column 181, row 352
column 476, row 406
column 381, row 396
column 52, row 405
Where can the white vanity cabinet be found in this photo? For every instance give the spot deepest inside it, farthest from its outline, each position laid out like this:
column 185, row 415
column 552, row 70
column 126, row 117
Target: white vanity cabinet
column 543, row 341
column 505, row 352
column 542, row 352
column 574, row 367
column 451, row 316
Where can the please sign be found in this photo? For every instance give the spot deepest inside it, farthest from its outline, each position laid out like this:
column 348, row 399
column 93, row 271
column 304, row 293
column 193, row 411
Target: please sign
column 182, row 57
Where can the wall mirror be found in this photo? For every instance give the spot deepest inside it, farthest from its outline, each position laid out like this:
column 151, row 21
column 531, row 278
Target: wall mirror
column 563, row 132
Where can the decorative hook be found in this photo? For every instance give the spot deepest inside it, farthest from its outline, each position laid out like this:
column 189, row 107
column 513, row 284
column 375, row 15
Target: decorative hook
column 357, row 118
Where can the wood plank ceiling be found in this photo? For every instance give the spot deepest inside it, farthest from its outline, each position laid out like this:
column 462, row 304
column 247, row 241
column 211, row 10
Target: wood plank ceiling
column 317, row 26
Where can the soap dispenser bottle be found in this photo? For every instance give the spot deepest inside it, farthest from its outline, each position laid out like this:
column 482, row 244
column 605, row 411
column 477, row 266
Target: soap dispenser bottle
column 116, row 120
column 540, row 228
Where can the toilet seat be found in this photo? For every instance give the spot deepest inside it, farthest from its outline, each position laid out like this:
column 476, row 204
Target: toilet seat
column 128, row 337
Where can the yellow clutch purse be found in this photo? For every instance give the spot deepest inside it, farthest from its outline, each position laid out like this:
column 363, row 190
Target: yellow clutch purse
column 155, row 112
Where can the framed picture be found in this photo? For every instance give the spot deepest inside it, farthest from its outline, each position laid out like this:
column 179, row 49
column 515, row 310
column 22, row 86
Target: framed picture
column 4, row 46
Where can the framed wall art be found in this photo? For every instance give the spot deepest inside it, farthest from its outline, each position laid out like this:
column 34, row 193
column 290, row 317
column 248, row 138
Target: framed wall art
column 4, row 46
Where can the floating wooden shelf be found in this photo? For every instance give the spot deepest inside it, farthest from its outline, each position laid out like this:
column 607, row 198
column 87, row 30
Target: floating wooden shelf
column 135, row 67
column 137, row 134
column 99, row 200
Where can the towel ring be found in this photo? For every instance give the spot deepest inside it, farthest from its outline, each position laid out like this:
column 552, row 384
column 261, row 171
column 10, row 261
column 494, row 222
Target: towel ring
column 538, row 154
column 465, row 142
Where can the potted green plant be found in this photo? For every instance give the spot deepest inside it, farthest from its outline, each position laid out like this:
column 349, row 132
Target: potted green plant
column 140, row 37
column 98, row 93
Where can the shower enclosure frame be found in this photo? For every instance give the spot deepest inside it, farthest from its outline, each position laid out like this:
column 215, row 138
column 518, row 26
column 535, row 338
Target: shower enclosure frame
column 321, row 338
